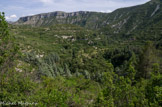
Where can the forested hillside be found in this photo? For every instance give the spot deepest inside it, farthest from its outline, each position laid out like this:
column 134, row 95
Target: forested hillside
column 83, row 59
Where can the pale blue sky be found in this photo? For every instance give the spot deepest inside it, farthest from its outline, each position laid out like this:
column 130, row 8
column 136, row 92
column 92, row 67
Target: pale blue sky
column 18, row 8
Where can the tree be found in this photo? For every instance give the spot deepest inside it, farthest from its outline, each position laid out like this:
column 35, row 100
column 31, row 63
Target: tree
column 147, row 59
column 50, row 66
column 67, row 71
column 105, row 97
column 8, row 50
column 130, row 70
column 154, row 90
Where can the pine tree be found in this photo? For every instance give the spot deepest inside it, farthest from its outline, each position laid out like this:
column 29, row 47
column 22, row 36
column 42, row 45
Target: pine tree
column 147, row 59
column 130, row 70
column 8, row 50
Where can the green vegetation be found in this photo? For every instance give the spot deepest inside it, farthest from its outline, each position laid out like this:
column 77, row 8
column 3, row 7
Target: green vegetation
column 68, row 65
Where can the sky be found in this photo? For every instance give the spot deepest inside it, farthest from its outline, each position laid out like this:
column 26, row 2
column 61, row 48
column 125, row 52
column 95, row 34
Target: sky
column 14, row 9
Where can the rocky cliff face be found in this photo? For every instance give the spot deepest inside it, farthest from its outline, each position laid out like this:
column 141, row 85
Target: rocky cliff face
column 82, row 18
column 121, row 20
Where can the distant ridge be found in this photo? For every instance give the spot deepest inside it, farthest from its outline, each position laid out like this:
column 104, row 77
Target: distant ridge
column 125, row 19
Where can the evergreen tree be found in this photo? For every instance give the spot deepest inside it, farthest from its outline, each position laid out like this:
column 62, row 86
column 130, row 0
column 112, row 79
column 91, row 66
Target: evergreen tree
column 130, row 70
column 147, row 59
column 8, row 50
column 67, row 71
